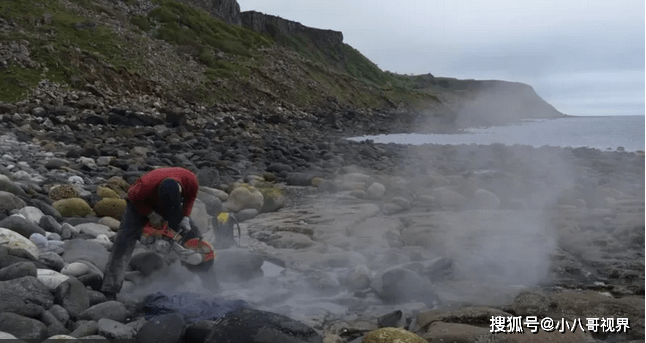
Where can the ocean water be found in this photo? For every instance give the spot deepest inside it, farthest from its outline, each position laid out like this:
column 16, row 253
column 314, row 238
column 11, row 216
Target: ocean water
column 604, row 133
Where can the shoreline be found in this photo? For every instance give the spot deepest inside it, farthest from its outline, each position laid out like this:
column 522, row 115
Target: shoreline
column 384, row 197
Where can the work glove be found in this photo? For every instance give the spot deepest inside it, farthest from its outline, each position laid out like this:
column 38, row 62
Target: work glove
column 184, row 226
column 155, row 219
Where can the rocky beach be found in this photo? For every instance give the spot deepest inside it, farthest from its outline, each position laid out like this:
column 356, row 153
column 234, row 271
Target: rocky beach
column 341, row 241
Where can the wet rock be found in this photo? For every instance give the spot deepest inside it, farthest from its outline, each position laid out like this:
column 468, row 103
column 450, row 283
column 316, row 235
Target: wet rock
column 401, row 285
column 237, row 265
column 197, row 332
column 191, row 306
column 249, row 325
column 166, row 328
column 22, row 327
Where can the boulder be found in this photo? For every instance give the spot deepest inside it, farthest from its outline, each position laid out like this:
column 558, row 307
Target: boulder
column 111, row 329
column 52, row 260
column 95, row 229
column 50, row 224
column 250, row 325
column 110, row 222
column 244, row 197
column 22, row 327
column 114, row 310
column 72, row 207
column 32, row 214
column 18, row 270
column 63, row 191
column 392, row 335
column 85, row 328
column 484, row 200
column 213, row 203
column 111, row 207
column 21, row 225
column 222, row 195
column 165, row 328
column 10, row 202
column 106, row 192
column 72, row 295
column 237, row 265
column 51, row 279
column 299, row 179
column 29, row 289
column 85, row 251
column 7, row 185
column 449, row 199
column 273, row 199
column 14, row 240
column 376, row 191
column 399, row 284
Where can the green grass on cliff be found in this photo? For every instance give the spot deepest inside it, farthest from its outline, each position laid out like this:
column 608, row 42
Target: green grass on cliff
column 73, row 47
column 200, row 33
column 62, row 45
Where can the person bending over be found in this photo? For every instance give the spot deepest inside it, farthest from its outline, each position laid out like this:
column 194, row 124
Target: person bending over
column 163, row 194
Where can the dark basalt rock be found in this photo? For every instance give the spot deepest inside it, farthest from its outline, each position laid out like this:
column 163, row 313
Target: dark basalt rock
column 247, row 325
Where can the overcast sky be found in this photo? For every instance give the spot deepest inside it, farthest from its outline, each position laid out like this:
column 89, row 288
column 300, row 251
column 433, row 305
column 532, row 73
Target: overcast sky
column 584, row 57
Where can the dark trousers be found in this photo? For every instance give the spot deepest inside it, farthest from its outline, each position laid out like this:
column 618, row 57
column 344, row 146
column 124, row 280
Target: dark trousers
column 132, row 224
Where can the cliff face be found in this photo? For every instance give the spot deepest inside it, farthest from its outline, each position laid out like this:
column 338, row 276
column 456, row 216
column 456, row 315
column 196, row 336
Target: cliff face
column 493, row 102
column 227, row 10
column 276, row 27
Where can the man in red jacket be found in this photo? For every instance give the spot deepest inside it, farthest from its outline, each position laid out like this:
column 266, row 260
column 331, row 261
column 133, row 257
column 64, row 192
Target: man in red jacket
column 164, row 194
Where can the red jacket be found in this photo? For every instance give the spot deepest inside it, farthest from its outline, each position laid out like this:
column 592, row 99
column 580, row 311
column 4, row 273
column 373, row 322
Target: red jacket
column 144, row 195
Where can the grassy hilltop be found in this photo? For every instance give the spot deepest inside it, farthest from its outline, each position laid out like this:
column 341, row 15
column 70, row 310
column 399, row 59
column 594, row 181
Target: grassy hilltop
column 175, row 51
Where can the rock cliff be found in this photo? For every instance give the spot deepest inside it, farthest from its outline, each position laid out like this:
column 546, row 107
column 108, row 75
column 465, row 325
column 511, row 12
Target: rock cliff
column 327, row 40
column 227, row 10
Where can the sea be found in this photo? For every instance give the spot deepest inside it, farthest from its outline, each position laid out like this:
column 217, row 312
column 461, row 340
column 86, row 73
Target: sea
column 599, row 132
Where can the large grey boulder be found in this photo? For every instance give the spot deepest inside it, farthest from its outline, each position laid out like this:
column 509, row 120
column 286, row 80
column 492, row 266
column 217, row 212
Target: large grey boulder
column 22, row 327
column 250, row 325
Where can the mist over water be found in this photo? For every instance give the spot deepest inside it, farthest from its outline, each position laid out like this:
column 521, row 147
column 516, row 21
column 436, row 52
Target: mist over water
column 595, row 132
